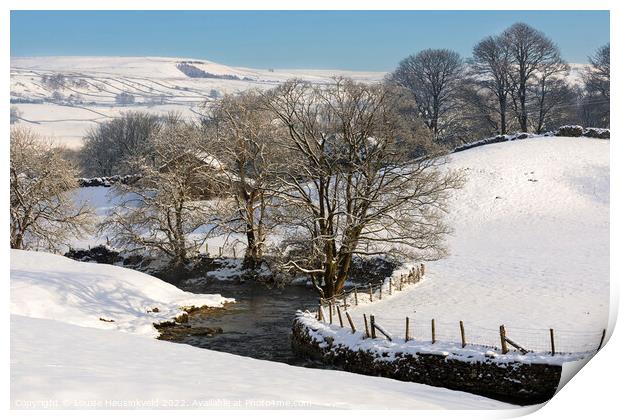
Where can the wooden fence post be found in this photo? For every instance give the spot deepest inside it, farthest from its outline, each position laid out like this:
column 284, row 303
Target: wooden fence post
column 318, row 315
column 406, row 329
column 350, row 322
column 345, row 302
column 355, row 294
column 234, row 252
column 382, row 331
column 502, row 339
column 390, row 285
column 373, row 333
column 370, row 288
column 601, row 343
column 433, row 331
column 220, row 251
column 463, row 343
column 339, row 316
column 552, row 341
column 330, row 311
column 422, row 268
column 381, row 291
column 366, row 326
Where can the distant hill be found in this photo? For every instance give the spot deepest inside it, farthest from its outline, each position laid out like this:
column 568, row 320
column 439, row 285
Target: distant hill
column 62, row 97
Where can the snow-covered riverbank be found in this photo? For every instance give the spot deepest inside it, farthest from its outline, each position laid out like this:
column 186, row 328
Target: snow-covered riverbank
column 62, row 357
column 74, row 367
column 96, row 295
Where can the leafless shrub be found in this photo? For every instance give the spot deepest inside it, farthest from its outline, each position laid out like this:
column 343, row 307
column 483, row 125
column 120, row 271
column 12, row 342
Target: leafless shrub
column 15, row 115
column 111, row 147
column 240, row 141
column 163, row 211
column 43, row 215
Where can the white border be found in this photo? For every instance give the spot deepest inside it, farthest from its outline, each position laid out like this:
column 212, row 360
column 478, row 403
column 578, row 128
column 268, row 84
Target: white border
column 592, row 394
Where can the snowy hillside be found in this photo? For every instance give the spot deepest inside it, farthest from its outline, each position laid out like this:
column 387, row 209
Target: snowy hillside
column 65, row 107
column 530, row 250
column 62, row 97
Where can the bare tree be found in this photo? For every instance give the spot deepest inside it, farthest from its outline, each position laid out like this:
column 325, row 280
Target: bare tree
column 15, row 115
column 598, row 74
column 43, row 214
column 125, row 98
column 554, row 101
column 480, row 110
column 348, row 184
column 491, row 65
column 241, row 132
column 531, row 54
column 109, row 148
column 433, row 78
column 596, row 81
column 163, row 212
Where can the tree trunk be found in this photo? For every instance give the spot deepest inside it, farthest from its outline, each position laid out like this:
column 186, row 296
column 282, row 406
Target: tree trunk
column 522, row 102
column 17, row 241
column 331, row 270
column 522, row 113
column 343, row 271
column 541, row 114
column 502, row 115
column 254, row 234
column 251, row 258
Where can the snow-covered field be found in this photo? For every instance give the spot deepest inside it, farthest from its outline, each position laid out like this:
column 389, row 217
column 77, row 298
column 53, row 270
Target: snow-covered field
column 530, row 250
column 64, row 356
column 158, row 86
column 58, row 365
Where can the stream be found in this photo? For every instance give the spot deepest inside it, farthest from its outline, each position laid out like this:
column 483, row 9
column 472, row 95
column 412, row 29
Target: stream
column 257, row 325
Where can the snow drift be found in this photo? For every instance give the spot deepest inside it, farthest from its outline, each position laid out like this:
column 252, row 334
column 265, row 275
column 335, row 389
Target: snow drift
column 96, row 295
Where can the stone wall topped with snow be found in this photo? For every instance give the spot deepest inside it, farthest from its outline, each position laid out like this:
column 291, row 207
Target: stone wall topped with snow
column 493, row 376
column 564, row 131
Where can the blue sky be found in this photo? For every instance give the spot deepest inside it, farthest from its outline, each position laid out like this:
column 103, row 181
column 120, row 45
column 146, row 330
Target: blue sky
column 356, row 40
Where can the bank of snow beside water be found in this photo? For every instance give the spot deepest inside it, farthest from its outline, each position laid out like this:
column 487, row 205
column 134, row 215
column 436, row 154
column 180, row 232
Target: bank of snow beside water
column 58, row 365
column 53, row 287
column 62, row 357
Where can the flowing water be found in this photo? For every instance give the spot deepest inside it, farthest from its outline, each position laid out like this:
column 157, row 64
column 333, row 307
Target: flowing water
column 258, row 325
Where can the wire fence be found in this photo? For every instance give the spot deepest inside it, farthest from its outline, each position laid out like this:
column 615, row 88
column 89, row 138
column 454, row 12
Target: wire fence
column 504, row 338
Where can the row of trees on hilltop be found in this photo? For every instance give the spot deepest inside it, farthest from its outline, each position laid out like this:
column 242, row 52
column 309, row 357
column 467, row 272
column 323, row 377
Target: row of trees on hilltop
column 516, row 80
